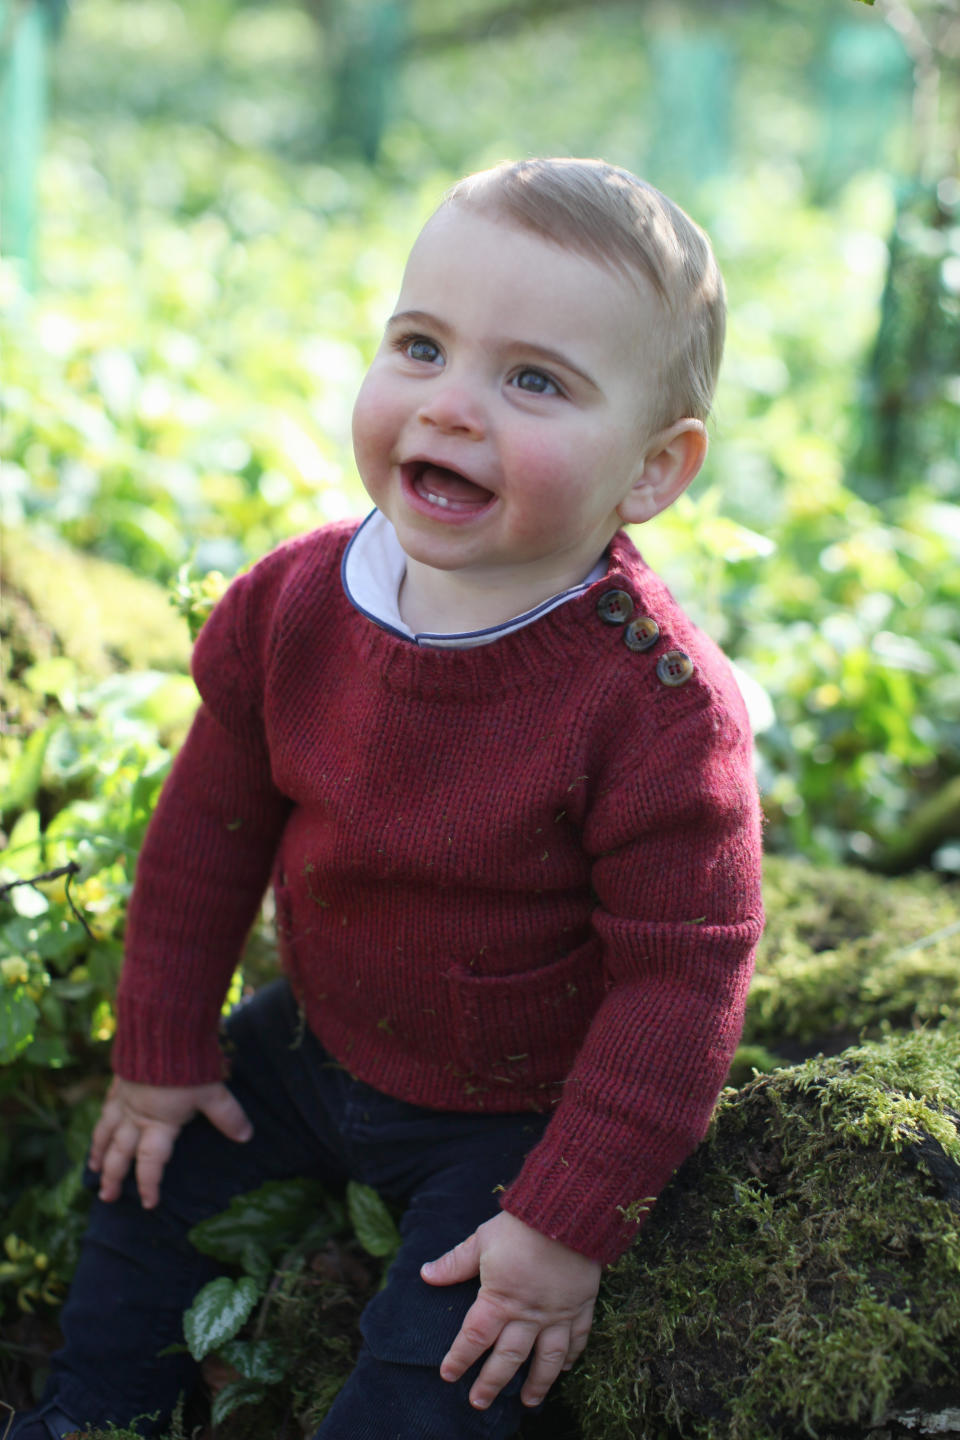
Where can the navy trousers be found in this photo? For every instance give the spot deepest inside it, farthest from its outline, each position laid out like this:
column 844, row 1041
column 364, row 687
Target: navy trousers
column 138, row 1272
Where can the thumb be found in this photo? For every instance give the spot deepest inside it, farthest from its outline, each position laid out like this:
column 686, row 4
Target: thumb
column 460, row 1263
column 227, row 1114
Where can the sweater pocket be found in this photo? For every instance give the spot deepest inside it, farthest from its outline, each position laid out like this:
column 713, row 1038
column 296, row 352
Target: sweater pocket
column 532, row 1022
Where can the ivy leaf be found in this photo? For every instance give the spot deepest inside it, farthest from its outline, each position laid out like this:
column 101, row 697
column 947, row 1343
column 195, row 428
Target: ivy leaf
column 254, row 1360
column 256, row 1262
column 232, row 1396
column 372, row 1222
column 271, row 1218
column 218, row 1313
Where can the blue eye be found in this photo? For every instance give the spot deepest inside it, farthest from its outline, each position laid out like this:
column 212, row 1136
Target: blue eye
column 535, row 382
column 416, row 347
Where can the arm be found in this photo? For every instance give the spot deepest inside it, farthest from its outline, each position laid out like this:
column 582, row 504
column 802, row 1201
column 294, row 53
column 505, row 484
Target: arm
column 200, row 878
column 201, row 875
column 206, row 858
column 677, row 877
column 676, row 872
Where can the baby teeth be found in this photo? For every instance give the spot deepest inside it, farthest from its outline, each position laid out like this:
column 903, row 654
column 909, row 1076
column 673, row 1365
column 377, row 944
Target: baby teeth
column 437, row 499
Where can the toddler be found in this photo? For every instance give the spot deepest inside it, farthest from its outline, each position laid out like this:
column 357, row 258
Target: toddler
column 503, row 788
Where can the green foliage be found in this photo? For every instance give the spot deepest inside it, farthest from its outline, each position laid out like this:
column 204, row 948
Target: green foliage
column 265, row 1223
column 274, row 1235
column 79, row 793
column 372, row 1222
column 194, row 597
column 218, row 1312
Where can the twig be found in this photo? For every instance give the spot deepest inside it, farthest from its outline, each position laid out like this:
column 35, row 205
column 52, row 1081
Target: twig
column 72, row 869
column 69, row 871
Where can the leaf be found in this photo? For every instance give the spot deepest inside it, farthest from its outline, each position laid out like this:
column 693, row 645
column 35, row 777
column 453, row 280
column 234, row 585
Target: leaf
column 256, row 1263
column 272, row 1218
column 58, row 1201
column 372, row 1222
column 51, row 676
column 23, row 855
column 218, row 1312
column 254, row 1360
column 21, row 789
column 50, row 1051
column 232, row 1396
column 18, row 1019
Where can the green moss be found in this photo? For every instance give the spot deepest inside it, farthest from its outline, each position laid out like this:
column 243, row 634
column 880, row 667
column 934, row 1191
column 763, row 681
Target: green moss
column 846, row 952
column 98, row 614
column 802, row 1272
column 177, row 1430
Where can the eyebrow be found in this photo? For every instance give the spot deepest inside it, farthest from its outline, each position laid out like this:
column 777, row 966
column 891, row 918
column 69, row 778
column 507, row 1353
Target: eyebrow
column 530, row 347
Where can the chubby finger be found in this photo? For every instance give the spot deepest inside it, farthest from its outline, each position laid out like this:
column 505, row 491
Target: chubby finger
column 579, row 1336
column 460, row 1263
column 119, row 1152
column 103, row 1132
column 482, row 1325
column 153, row 1152
column 513, row 1345
column 224, row 1111
column 550, row 1355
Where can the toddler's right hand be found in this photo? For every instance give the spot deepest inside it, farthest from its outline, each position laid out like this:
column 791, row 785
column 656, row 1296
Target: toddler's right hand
column 141, row 1122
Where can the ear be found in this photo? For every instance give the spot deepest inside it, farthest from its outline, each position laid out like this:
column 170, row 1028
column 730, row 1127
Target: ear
column 673, row 457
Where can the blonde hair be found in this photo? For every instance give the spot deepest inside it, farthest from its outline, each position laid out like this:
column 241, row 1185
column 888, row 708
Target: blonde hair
column 611, row 216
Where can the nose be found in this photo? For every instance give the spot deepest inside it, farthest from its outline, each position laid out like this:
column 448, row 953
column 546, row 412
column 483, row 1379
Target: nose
column 453, row 408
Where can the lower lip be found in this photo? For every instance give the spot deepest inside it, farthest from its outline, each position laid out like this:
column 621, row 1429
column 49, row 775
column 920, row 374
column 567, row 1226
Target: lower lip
column 453, row 514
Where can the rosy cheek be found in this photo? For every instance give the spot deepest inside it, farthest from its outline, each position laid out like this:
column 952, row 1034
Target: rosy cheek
column 371, row 423
column 546, row 478
column 539, row 465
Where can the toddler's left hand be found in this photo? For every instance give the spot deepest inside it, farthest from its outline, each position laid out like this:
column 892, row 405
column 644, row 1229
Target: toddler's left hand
column 536, row 1294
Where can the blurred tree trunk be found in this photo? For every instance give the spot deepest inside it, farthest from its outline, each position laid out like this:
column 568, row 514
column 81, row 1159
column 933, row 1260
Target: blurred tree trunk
column 26, row 31
column 368, row 38
column 909, row 413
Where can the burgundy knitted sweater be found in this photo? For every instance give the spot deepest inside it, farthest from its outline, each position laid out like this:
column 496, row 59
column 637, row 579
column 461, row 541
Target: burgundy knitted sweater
column 519, row 876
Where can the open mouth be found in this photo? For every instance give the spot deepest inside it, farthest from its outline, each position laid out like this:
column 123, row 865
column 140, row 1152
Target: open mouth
column 445, row 489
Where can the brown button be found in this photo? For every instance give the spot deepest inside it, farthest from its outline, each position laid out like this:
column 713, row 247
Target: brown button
column 640, row 634
column 674, row 668
column 615, row 607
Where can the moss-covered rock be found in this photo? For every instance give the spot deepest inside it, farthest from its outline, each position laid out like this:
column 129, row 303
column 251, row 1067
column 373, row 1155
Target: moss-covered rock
column 847, row 954
column 801, row 1275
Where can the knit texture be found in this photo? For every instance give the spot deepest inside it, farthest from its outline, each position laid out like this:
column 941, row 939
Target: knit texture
column 522, row 876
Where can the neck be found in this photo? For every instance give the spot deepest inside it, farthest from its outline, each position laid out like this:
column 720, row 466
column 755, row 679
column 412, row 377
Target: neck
column 444, row 602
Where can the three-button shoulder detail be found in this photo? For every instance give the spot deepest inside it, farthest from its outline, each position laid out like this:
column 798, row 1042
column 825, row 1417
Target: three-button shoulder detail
column 642, row 633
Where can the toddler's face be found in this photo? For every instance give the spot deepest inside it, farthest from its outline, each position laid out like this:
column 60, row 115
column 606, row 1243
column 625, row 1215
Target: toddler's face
column 501, row 424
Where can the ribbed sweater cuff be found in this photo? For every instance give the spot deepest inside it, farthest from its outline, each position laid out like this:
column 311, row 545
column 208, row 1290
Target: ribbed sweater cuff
column 162, row 1047
column 594, row 1202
